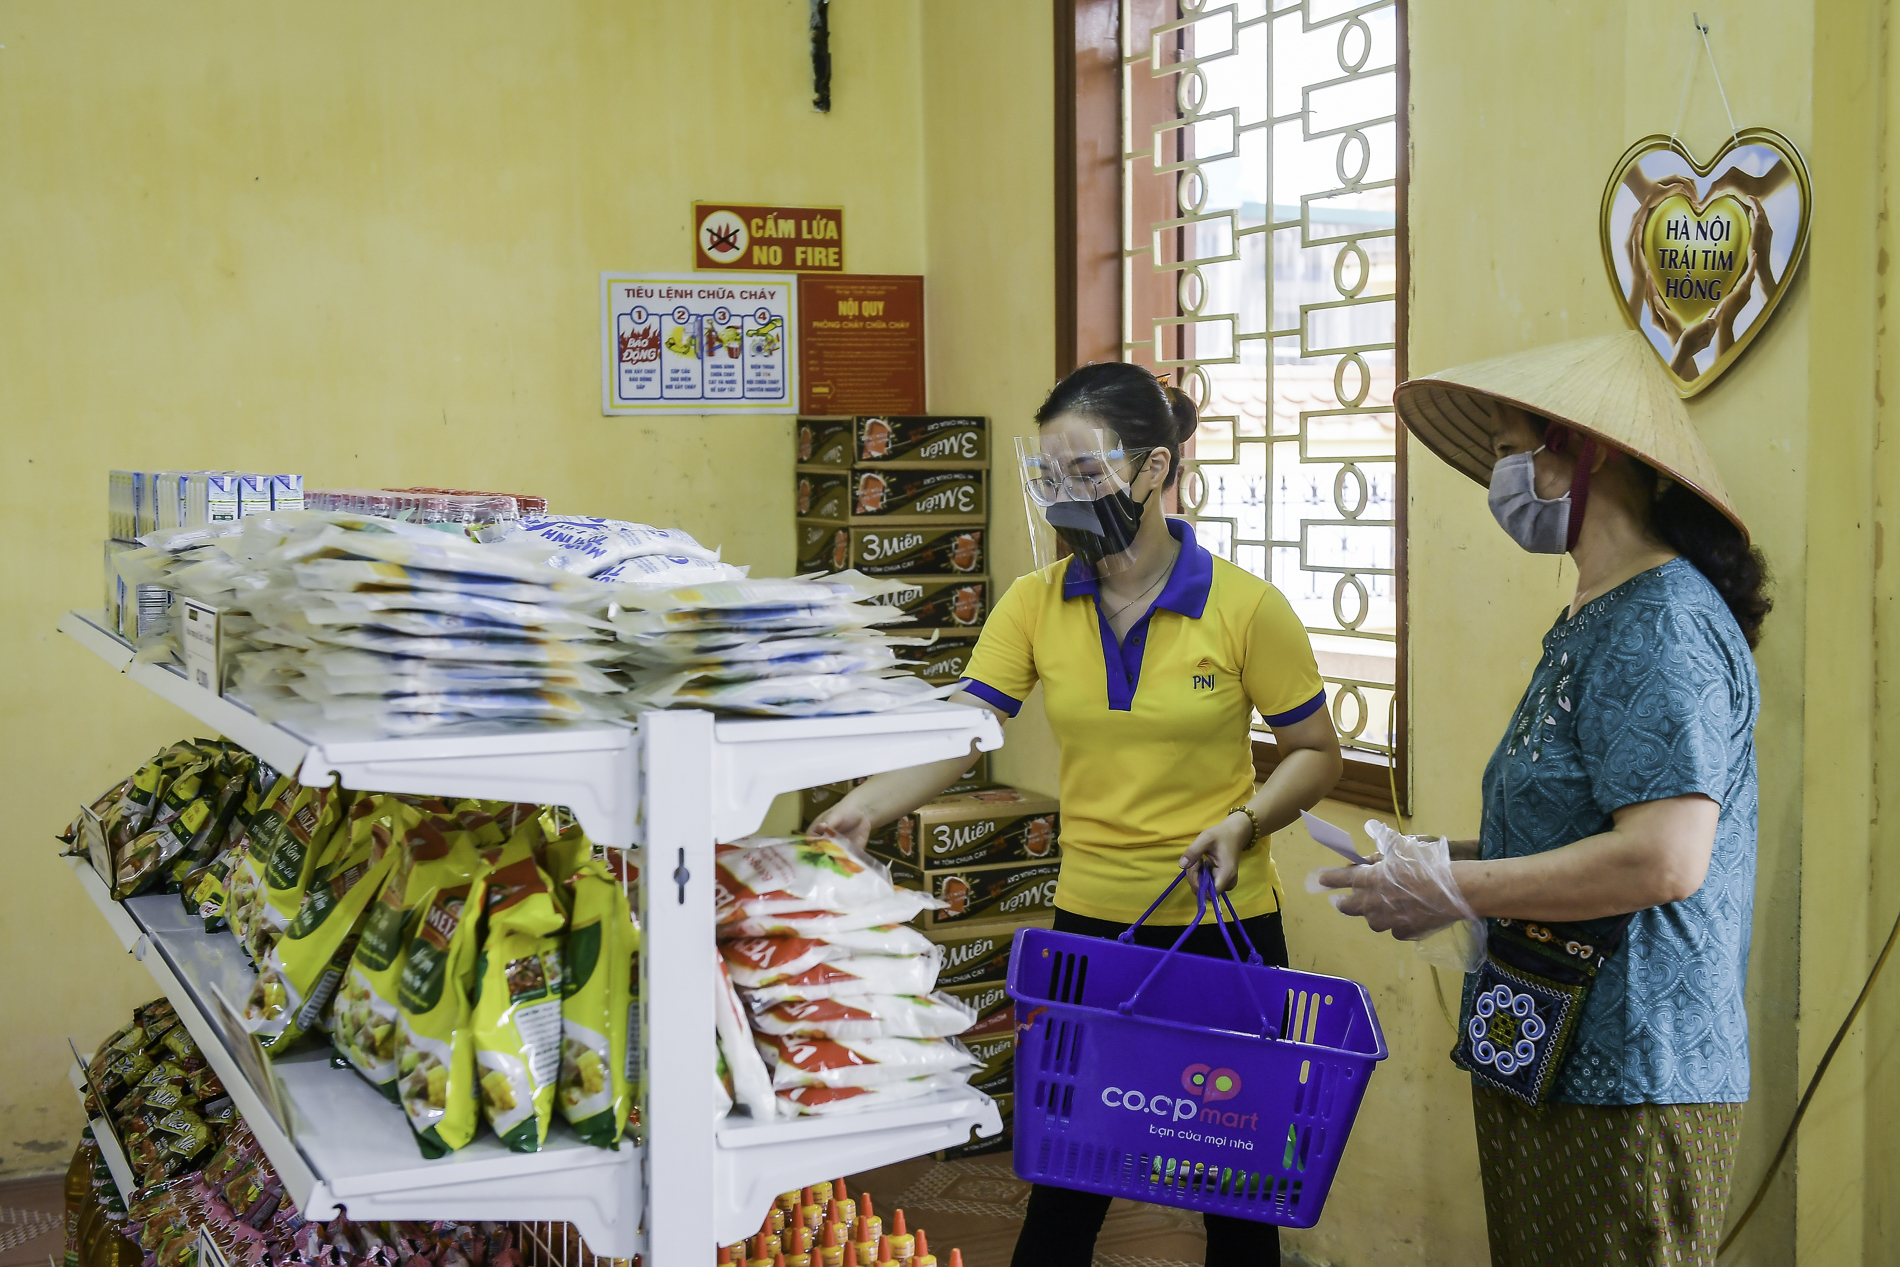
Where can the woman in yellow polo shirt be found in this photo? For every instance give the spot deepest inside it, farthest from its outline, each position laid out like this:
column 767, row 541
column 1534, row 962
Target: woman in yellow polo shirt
column 1153, row 656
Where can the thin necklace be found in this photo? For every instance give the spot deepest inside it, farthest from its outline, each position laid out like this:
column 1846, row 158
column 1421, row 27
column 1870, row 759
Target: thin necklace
column 1137, row 598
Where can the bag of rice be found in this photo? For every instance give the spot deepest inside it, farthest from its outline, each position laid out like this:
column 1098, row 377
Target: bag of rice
column 763, row 875
column 860, row 1062
column 751, row 1083
column 901, row 906
column 761, row 961
column 855, row 1016
column 859, row 974
column 824, row 1101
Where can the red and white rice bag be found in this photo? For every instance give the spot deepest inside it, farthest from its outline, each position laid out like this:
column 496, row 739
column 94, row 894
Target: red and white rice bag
column 751, row 1083
column 762, row 961
column 860, row 974
column 859, row 1016
column 767, row 875
column 823, row 1101
column 859, row 1062
column 899, row 907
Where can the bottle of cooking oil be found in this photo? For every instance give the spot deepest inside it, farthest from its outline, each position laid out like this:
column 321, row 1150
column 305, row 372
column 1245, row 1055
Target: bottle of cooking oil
column 78, row 1191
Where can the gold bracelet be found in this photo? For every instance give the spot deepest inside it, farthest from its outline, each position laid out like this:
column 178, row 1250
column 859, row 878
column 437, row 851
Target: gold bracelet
column 1252, row 818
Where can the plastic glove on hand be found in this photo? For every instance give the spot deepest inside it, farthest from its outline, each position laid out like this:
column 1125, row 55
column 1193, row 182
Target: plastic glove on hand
column 1410, row 892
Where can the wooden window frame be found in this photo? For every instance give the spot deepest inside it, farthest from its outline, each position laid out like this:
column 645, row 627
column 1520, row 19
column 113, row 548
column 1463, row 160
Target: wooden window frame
column 1088, row 309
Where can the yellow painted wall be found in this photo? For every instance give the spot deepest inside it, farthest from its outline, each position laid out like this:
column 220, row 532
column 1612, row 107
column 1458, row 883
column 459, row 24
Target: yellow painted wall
column 1518, row 112
column 363, row 241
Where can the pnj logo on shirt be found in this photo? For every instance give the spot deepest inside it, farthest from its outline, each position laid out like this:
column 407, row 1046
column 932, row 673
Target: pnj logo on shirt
column 1204, row 675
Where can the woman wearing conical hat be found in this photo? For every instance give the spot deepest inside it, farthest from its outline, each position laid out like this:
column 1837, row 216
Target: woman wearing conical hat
column 1612, row 882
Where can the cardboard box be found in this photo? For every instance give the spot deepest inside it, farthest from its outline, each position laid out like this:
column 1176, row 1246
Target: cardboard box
column 976, row 894
column 814, row 801
column 996, row 1064
column 940, row 663
column 918, row 551
column 980, row 1146
column 822, row 546
column 822, row 494
column 979, row 954
column 939, row 602
column 917, row 496
column 995, row 1013
column 970, row 829
column 923, row 439
column 826, row 441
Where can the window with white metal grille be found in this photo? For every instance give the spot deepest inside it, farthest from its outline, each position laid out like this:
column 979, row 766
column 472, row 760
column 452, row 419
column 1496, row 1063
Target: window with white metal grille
column 1262, row 153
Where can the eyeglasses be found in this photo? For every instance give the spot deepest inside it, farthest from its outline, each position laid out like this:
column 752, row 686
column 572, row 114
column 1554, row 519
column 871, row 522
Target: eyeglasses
column 1046, row 490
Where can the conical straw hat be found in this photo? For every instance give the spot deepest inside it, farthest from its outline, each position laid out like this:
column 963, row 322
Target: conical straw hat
column 1610, row 387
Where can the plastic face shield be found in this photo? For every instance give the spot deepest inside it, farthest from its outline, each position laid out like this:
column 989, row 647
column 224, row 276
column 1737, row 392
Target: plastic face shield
column 1076, row 494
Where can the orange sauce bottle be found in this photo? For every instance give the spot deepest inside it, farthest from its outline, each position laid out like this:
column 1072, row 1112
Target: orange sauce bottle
column 903, row 1244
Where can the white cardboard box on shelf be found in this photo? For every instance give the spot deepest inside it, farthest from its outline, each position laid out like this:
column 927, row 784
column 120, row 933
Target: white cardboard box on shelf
column 679, row 781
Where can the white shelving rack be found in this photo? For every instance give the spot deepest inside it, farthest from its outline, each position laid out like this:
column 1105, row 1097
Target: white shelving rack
column 675, row 784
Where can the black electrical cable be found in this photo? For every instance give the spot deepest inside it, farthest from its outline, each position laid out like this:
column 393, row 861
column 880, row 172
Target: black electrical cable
column 1807, row 1097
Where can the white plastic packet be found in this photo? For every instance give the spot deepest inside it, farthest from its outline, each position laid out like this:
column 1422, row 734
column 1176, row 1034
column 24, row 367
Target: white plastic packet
column 585, row 545
column 751, row 1082
column 860, row 974
column 793, row 695
column 868, row 1016
column 859, row 1062
column 902, row 906
column 667, row 571
column 347, row 575
column 757, row 961
column 826, row 1101
column 765, row 875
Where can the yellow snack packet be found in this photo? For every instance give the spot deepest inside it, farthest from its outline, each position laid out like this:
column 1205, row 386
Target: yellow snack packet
column 599, row 1017
column 297, row 979
column 435, row 851
column 436, row 1048
column 303, row 835
column 264, row 804
column 517, row 995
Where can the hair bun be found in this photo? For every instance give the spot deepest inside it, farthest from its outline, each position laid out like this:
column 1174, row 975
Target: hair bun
column 1187, row 418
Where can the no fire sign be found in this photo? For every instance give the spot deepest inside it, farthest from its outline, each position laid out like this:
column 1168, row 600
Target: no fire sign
column 768, row 239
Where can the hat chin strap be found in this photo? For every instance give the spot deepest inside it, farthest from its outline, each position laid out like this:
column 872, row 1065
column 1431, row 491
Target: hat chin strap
column 1557, row 438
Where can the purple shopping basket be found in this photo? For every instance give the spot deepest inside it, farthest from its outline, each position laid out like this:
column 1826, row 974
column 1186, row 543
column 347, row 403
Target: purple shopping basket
column 1184, row 1080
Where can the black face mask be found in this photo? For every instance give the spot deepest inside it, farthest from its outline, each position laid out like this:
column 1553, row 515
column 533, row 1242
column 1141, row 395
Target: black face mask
column 1098, row 529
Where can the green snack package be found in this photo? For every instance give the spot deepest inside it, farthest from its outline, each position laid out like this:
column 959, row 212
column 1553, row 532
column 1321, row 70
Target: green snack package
column 435, row 851
column 203, row 837
column 298, row 977
column 437, row 1049
column 563, row 854
column 303, row 835
column 262, row 819
column 599, row 1036
column 517, row 995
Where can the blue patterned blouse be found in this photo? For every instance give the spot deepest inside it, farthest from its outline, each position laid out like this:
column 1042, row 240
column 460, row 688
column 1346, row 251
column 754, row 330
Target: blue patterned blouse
column 1648, row 692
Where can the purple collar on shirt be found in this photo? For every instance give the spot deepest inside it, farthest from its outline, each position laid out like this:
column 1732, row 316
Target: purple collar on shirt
column 1185, row 594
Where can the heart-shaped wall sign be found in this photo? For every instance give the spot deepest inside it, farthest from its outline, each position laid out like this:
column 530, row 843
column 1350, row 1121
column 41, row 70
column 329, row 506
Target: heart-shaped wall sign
column 1701, row 254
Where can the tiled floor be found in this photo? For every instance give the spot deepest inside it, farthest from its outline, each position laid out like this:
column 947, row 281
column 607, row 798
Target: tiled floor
column 32, row 1221
column 977, row 1206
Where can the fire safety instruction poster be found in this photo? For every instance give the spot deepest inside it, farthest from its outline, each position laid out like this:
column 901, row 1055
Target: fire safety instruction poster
column 690, row 344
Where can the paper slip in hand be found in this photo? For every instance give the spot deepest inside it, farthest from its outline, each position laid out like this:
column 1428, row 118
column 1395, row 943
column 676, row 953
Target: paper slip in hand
column 1334, row 839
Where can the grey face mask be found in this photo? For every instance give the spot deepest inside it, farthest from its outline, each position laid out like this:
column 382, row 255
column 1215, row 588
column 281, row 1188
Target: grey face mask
column 1540, row 526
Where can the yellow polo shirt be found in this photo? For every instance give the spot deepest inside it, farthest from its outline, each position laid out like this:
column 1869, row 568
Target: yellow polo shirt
column 1154, row 730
